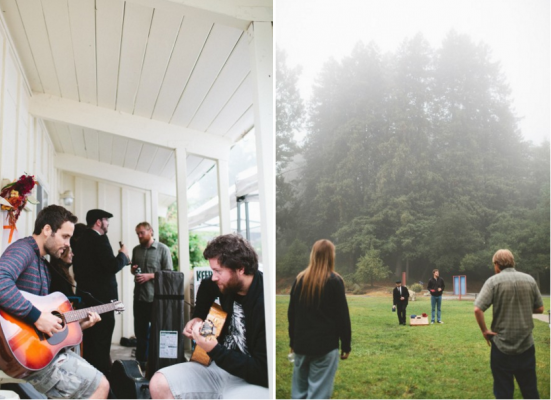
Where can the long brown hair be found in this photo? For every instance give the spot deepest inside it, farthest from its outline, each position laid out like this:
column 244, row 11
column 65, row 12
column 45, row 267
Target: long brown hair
column 314, row 277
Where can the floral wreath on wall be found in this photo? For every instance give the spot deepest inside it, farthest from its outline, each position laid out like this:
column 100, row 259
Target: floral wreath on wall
column 14, row 197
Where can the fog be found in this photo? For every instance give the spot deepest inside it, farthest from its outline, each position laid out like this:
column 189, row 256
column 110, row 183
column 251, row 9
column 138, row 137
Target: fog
column 312, row 31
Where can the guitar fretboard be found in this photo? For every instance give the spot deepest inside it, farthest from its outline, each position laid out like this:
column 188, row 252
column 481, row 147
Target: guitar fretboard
column 77, row 315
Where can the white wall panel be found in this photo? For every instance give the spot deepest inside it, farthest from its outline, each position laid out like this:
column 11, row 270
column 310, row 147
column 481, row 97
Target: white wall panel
column 206, row 71
column 8, row 138
column 105, row 147
column 17, row 31
column 51, row 126
column 76, row 139
column 119, row 150
column 65, row 138
column 109, row 16
column 35, row 31
column 82, row 14
column 137, row 23
column 230, row 78
column 12, row 77
column 56, row 15
column 92, row 143
column 164, row 29
column 190, row 42
column 24, row 143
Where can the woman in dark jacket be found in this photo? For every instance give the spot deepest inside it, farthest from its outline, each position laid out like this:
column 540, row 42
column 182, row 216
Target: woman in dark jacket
column 62, row 281
column 318, row 319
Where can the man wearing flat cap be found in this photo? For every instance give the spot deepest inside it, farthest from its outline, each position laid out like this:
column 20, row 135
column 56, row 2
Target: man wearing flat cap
column 400, row 297
column 95, row 267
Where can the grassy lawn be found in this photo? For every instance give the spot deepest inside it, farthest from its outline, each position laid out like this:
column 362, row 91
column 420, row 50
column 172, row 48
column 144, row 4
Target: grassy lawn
column 449, row 361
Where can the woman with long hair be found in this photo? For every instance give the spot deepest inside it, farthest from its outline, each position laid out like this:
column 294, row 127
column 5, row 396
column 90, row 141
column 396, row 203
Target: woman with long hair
column 318, row 319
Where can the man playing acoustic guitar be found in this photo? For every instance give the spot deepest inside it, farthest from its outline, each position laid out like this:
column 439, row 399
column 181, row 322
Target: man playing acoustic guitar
column 22, row 267
column 239, row 366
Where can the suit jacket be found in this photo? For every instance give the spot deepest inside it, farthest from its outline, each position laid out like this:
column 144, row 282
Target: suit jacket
column 95, row 266
column 396, row 296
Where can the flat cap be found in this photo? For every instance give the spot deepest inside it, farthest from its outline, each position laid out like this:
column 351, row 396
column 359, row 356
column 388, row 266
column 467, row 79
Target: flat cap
column 93, row 215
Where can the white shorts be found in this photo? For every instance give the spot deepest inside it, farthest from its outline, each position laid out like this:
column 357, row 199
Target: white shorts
column 191, row 380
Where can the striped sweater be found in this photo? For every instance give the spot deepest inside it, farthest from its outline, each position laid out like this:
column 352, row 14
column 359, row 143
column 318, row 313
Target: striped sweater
column 22, row 268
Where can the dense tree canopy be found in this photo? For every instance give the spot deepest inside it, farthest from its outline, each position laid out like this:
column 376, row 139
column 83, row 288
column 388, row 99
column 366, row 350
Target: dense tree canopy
column 417, row 155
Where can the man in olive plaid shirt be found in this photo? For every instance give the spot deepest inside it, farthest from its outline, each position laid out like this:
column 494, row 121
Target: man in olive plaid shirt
column 514, row 296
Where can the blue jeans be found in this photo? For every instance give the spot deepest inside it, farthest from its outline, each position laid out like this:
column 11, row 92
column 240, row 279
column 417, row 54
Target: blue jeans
column 507, row 367
column 313, row 375
column 436, row 300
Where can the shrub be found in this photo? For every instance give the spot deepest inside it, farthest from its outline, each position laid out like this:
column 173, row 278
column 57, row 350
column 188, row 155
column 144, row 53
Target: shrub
column 416, row 287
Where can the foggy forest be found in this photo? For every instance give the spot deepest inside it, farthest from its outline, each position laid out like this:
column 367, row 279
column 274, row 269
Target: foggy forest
column 412, row 160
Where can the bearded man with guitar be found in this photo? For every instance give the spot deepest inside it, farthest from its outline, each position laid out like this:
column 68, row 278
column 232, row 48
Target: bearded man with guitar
column 22, row 271
column 239, row 366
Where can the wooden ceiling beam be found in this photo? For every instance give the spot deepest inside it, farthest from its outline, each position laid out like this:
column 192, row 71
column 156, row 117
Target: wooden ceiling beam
column 203, row 144
column 114, row 173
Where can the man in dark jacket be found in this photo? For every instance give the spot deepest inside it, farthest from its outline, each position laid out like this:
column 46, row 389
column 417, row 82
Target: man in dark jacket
column 239, row 366
column 436, row 288
column 400, row 297
column 95, row 267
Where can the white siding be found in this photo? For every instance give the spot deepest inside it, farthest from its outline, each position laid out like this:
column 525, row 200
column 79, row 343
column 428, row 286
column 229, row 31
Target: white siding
column 129, row 207
column 24, row 143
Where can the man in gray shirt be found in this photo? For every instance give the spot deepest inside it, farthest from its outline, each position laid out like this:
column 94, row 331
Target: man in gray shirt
column 147, row 258
column 514, row 296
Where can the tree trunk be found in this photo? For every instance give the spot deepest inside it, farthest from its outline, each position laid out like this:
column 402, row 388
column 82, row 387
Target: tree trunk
column 398, row 270
column 407, row 269
column 425, row 272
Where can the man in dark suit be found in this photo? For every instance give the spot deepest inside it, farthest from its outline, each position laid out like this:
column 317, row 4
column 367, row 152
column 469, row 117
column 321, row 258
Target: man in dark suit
column 95, row 267
column 400, row 297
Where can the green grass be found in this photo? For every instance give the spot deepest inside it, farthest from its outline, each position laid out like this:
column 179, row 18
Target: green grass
column 449, row 361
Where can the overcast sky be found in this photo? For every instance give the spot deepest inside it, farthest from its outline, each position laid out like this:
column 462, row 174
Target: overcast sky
column 311, row 31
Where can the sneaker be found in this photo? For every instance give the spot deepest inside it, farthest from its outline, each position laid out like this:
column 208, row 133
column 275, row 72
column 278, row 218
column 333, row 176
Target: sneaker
column 431, row 322
column 440, row 322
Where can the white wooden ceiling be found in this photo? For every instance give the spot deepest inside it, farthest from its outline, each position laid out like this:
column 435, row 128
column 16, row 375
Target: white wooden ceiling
column 182, row 65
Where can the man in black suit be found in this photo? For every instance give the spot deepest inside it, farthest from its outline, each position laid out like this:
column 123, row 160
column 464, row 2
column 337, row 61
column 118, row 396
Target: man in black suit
column 400, row 297
column 95, row 267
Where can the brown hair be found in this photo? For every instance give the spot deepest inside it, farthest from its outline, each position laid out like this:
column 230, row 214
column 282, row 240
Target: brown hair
column 53, row 215
column 314, row 277
column 146, row 225
column 234, row 252
column 504, row 258
column 62, row 268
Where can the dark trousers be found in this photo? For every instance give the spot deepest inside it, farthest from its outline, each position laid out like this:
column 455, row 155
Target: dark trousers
column 142, row 321
column 520, row 366
column 401, row 311
column 97, row 343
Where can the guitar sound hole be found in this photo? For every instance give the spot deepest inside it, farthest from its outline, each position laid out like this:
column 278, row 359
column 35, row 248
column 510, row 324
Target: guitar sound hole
column 57, row 314
column 59, row 336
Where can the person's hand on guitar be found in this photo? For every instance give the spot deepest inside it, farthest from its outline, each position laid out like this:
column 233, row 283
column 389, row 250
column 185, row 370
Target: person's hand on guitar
column 201, row 341
column 189, row 327
column 93, row 318
column 48, row 324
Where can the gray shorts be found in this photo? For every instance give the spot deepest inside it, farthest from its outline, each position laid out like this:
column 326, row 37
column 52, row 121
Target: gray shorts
column 191, row 380
column 68, row 376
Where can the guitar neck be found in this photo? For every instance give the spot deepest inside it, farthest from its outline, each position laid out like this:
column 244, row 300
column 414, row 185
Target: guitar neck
column 77, row 315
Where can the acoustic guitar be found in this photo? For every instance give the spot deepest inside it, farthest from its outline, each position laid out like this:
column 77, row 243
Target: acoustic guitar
column 211, row 329
column 24, row 349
